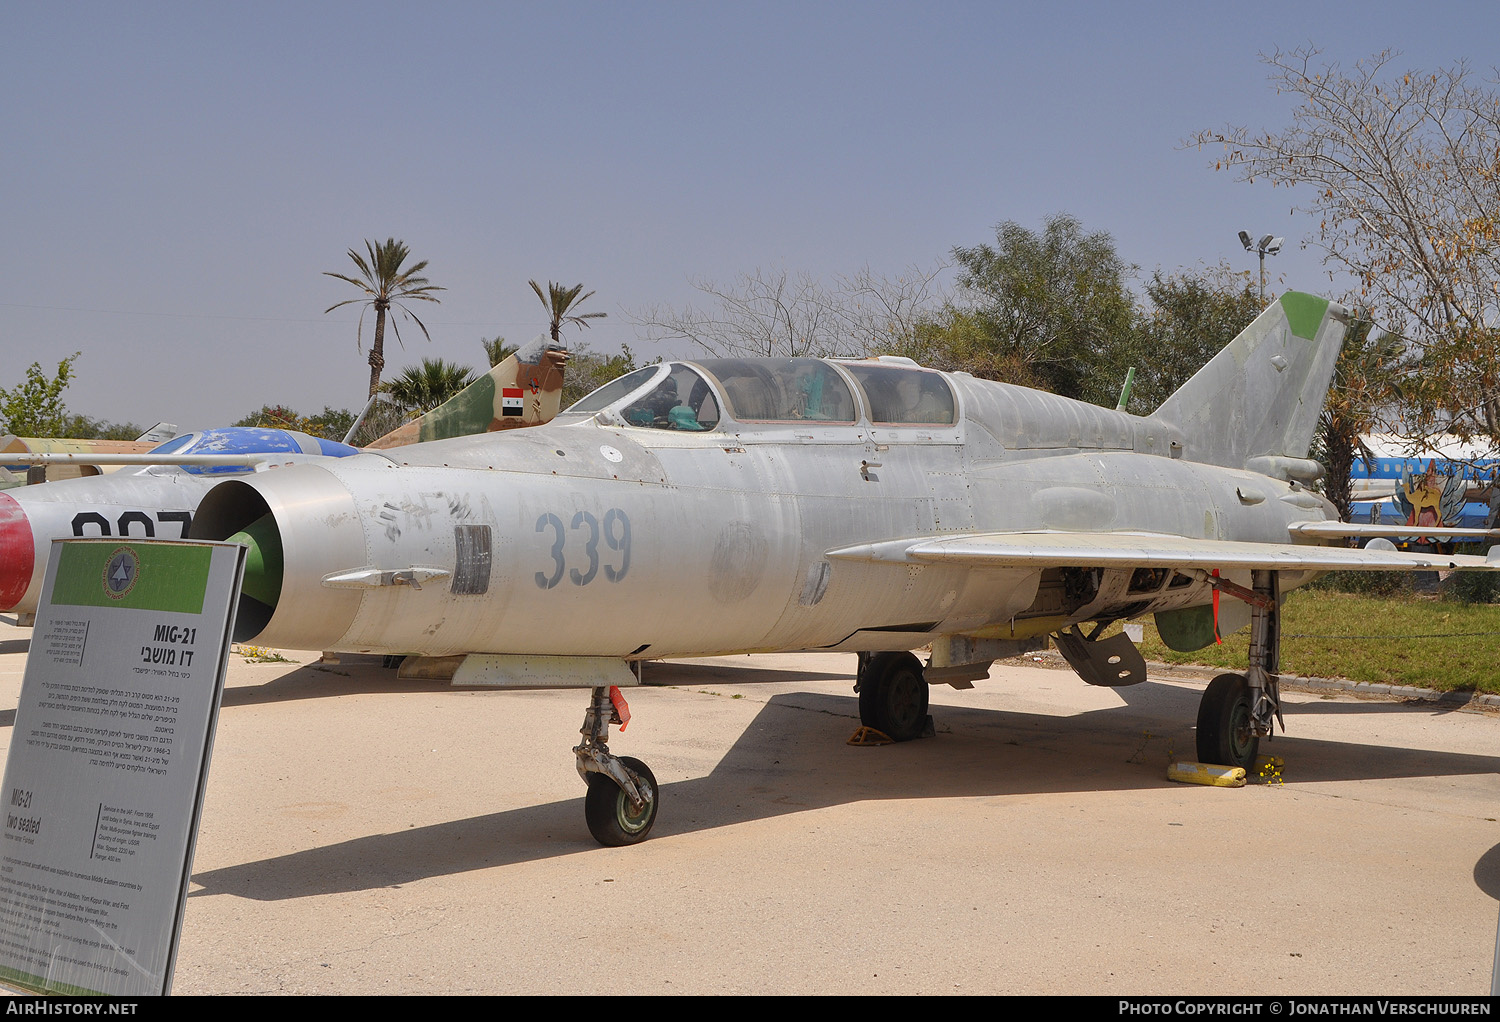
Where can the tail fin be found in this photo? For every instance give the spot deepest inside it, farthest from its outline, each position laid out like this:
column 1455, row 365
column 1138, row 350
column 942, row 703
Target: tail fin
column 523, row 390
column 1260, row 396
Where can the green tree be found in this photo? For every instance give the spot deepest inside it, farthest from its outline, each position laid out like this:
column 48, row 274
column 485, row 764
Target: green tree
column 496, row 350
column 1192, row 315
column 271, row 417
column 386, row 285
column 330, row 423
column 561, row 303
column 958, row 339
column 1040, row 308
column 81, row 427
column 1366, row 379
column 421, row 388
column 35, row 407
column 589, row 370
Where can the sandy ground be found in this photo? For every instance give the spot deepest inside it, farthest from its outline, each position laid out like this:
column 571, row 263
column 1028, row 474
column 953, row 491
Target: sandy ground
column 367, row 835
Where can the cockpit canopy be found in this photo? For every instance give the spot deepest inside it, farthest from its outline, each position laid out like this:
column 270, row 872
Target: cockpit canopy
column 688, row 396
column 903, row 395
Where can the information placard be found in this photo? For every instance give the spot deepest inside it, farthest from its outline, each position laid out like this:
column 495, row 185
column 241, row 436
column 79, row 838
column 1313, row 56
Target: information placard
column 108, row 759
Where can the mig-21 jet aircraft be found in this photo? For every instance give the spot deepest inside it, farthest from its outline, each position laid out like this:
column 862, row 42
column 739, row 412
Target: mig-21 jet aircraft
column 732, row 505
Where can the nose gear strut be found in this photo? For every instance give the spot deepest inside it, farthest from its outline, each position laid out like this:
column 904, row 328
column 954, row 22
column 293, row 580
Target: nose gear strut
column 622, row 794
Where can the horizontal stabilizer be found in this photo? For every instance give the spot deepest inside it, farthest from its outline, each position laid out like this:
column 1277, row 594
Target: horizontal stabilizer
column 159, row 433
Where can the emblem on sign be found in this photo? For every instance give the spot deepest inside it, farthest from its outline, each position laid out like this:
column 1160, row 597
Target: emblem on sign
column 120, row 573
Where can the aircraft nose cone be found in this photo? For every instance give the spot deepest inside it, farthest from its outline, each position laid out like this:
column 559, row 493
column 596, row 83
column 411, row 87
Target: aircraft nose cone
column 263, row 560
column 17, row 552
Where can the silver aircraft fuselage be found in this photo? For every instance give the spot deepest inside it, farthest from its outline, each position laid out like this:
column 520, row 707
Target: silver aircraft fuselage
column 594, row 537
column 872, row 506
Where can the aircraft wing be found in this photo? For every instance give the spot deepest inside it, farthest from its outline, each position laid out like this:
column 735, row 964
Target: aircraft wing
column 1145, row 550
column 200, row 460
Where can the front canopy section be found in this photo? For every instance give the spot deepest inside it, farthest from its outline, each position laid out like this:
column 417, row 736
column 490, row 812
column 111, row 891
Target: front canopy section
column 672, row 396
column 694, row 397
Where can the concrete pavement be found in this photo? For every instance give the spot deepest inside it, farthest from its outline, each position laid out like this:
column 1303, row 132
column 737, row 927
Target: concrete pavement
column 365, row 835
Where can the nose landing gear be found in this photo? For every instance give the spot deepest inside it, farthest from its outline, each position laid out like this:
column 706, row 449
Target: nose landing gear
column 622, row 797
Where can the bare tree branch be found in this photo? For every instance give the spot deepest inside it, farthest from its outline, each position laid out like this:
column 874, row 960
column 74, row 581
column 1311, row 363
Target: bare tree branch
column 777, row 312
column 1401, row 172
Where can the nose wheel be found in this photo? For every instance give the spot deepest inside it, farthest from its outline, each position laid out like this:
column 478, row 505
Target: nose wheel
column 613, row 818
column 622, row 799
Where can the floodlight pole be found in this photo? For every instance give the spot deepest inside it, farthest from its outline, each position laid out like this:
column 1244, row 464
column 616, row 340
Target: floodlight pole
column 1266, row 244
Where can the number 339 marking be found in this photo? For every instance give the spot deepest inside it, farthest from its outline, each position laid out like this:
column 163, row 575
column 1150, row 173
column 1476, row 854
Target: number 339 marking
column 615, row 533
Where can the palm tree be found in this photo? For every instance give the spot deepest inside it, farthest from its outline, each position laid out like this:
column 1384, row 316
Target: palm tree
column 1367, row 378
column 498, row 350
column 385, row 284
column 559, row 301
column 422, row 388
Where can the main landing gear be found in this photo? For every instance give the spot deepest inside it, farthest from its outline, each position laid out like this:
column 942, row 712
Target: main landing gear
column 622, row 799
column 892, row 694
column 1237, row 710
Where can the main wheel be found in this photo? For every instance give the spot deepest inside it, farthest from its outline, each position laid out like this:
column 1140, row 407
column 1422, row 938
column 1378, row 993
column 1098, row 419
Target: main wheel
column 893, row 695
column 1225, row 733
column 611, row 819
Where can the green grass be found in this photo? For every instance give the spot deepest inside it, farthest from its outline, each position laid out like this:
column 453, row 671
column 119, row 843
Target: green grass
column 1404, row 640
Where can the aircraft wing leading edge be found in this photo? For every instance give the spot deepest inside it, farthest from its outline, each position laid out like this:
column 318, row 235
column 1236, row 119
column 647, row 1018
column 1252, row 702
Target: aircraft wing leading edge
column 1146, row 550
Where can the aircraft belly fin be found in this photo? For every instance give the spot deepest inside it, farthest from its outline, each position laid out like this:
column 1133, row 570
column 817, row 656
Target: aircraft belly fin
column 1137, row 549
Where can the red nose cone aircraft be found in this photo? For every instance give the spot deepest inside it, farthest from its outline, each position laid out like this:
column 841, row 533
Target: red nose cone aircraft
column 17, row 554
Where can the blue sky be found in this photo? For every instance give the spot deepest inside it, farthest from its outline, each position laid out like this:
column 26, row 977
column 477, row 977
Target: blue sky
column 175, row 178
